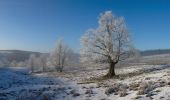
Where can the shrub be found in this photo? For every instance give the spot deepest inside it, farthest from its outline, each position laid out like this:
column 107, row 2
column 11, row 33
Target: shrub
column 109, row 91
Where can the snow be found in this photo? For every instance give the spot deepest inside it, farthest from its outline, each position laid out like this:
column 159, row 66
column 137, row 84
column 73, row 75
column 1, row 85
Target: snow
column 18, row 83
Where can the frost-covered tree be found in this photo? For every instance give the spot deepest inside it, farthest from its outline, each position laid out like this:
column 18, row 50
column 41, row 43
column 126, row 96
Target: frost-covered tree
column 4, row 62
column 43, row 61
column 1, row 64
column 13, row 63
column 32, row 62
column 60, row 55
column 107, row 44
column 37, row 63
column 21, row 64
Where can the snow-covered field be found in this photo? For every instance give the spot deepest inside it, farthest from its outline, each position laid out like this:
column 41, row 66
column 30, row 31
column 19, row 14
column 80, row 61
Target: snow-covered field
column 142, row 82
column 18, row 84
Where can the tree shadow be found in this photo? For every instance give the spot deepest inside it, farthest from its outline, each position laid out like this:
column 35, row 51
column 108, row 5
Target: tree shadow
column 127, row 75
column 143, row 71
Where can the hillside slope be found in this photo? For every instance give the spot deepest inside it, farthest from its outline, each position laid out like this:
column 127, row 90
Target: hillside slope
column 16, row 55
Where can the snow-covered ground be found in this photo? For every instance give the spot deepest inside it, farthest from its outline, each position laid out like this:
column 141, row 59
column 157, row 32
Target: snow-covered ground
column 142, row 82
column 17, row 83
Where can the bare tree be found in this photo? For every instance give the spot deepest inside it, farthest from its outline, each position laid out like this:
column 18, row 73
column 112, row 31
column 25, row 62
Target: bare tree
column 109, row 43
column 59, row 56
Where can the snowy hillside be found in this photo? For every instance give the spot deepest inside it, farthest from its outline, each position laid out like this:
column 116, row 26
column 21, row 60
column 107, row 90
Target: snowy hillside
column 16, row 83
column 152, row 83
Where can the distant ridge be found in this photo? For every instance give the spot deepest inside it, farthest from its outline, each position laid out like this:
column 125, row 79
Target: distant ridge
column 155, row 52
column 21, row 55
column 17, row 55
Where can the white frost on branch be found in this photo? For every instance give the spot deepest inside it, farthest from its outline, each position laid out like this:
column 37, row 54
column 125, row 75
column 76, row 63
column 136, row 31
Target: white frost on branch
column 59, row 57
column 108, row 43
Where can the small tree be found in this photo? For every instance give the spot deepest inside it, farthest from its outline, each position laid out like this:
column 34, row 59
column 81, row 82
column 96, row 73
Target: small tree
column 13, row 63
column 43, row 60
column 4, row 62
column 59, row 56
column 21, row 64
column 107, row 44
column 31, row 62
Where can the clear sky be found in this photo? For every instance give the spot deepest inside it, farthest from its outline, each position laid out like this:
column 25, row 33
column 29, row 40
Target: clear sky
column 37, row 24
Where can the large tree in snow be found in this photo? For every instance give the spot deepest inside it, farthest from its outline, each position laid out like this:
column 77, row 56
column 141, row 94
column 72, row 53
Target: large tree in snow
column 109, row 43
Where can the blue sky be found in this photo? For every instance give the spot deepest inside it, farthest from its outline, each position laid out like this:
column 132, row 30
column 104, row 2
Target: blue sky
column 35, row 25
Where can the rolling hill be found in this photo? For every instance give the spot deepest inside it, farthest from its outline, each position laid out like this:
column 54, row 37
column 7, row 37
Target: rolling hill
column 17, row 55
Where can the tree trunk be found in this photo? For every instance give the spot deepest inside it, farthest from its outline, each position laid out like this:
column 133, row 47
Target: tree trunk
column 111, row 72
column 32, row 69
column 61, row 70
column 43, row 68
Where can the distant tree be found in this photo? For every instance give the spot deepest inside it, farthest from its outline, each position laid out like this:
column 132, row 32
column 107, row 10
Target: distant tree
column 21, row 64
column 6, row 62
column 43, row 61
column 60, row 55
column 31, row 62
column 2, row 63
column 109, row 43
column 49, row 65
column 13, row 63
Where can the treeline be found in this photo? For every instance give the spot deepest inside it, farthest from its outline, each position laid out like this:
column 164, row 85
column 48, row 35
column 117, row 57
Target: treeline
column 155, row 52
column 59, row 57
column 15, row 58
